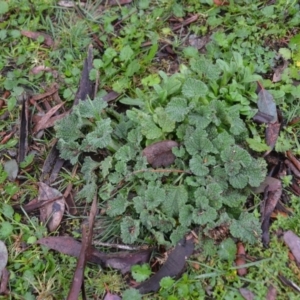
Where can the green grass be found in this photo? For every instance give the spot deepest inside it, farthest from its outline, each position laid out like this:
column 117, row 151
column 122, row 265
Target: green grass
column 131, row 45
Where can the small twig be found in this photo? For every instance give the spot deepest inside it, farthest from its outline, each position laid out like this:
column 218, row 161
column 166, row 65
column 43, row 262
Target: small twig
column 293, row 159
column 33, row 206
column 186, row 22
column 118, row 246
column 96, row 83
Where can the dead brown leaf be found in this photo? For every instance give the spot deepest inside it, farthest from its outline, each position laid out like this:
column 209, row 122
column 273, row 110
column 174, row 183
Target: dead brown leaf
column 272, row 133
column 272, row 293
column 160, row 153
column 52, row 213
column 267, row 207
column 48, row 41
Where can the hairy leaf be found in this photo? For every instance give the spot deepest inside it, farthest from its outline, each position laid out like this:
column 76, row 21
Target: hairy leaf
column 163, row 120
column 117, row 206
column 247, row 228
column 130, row 230
column 194, row 88
column 185, row 215
column 100, row 137
column 177, row 109
column 205, row 216
column 197, row 166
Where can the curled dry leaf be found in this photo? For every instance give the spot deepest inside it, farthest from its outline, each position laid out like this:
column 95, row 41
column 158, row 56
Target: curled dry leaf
column 48, row 41
column 160, row 154
column 241, row 259
column 52, row 213
column 45, row 120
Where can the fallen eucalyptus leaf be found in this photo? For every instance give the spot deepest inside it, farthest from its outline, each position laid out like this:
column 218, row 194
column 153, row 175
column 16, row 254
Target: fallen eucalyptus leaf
column 173, row 267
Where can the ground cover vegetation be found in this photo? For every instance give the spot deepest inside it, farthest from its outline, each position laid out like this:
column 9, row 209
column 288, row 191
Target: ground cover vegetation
column 165, row 134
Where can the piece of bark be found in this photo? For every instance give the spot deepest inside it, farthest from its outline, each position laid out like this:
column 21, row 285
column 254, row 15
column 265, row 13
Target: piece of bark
column 52, row 166
column 86, row 86
column 87, row 235
column 24, row 128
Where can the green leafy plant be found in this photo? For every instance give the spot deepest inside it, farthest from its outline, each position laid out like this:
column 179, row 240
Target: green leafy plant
column 209, row 180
